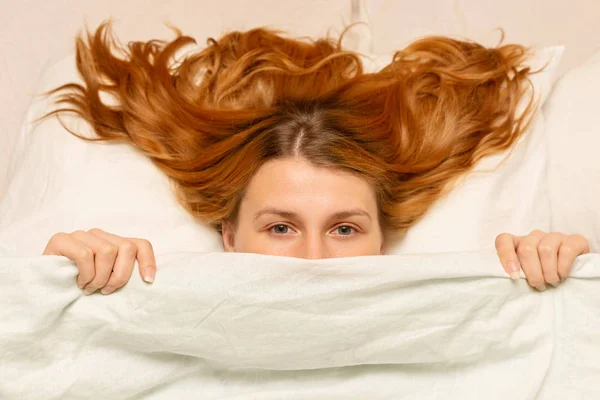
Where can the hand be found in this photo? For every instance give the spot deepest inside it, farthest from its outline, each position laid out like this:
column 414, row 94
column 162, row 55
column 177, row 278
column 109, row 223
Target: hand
column 544, row 257
column 104, row 260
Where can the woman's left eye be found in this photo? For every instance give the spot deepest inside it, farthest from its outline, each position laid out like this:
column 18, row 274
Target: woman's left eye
column 345, row 230
column 280, row 229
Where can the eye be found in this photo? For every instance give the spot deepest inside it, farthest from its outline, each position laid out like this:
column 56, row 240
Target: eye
column 280, row 229
column 345, row 230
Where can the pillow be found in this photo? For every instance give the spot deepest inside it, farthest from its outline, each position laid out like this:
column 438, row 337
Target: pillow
column 506, row 192
column 573, row 144
column 60, row 183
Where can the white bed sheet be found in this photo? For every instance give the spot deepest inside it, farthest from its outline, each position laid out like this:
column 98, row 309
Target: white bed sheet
column 247, row 326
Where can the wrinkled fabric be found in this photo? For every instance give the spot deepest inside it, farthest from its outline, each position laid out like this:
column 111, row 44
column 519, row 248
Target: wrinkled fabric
column 248, row 326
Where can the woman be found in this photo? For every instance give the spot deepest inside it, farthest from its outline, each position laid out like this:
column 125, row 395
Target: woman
column 288, row 148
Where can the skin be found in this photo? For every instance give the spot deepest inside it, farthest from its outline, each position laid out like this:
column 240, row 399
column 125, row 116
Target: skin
column 289, row 209
column 292, row 208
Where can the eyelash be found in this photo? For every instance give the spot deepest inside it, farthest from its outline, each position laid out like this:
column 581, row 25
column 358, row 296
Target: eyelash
column 354, row 230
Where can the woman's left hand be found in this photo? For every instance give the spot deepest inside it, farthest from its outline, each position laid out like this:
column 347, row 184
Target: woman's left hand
column 546, row 258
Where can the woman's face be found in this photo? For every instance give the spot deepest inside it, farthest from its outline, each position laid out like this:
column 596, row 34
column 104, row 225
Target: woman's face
column 293, row 208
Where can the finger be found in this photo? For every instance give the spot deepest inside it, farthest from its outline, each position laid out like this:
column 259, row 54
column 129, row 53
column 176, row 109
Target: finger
column 63, row 244
column 506, row 245
column 146, row 259
column 104, row 259
column 548, row 252
column 123, row 267
column 530, row 261
column 572, row 246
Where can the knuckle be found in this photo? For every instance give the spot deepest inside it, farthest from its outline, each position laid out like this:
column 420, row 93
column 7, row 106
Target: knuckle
column 128, row 248
column 546, row 249
column 58, row 236
column 85, row 253
column 145, row 243
column 77, row 232
column 108, row 249
column 579, row 238
column 95, row 230
column 526, row 249
column 567, row 250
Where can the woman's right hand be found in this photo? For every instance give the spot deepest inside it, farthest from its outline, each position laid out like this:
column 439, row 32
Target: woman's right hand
column 105, row 261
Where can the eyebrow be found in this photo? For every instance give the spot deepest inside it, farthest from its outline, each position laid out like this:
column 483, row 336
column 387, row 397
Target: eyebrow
column 292, row 215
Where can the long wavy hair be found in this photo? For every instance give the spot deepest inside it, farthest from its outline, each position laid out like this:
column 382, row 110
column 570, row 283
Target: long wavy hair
column 211, row 118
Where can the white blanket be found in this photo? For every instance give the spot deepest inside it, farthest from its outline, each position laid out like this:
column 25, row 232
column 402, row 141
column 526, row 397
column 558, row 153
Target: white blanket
column 246, row 326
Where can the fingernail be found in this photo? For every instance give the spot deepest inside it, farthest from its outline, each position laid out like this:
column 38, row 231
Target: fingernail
column 149, row 275
column 81, row 285
column 514, row 270
column 541, row 288
column 89, row 291
column 107, row 289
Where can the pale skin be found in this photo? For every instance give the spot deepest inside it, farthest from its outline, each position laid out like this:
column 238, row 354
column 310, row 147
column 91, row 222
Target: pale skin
column 293, row 208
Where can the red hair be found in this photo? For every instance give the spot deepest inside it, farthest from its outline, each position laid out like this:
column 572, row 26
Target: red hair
column 211, row 120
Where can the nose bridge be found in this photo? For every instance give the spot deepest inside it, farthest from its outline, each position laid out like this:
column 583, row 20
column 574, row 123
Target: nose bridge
column 314, row 246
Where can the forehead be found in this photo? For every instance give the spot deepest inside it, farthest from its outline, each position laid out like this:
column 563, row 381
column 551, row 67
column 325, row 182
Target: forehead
column 296, row 184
